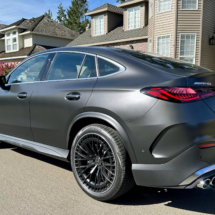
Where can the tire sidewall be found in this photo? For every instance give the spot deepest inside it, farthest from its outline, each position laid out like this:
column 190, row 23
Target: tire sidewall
column 119, row 167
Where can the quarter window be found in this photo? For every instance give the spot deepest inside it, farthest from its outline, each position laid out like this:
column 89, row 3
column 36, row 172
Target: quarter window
column 99, row 25
column 29, row 70
column 66, row 66
column 11, row 41
column 134, row 18
column 88, row 69
column 188, row 47
column 163, row 45
column 106, row 67
column 150, row 8
column 189, row 4
column 164, row 5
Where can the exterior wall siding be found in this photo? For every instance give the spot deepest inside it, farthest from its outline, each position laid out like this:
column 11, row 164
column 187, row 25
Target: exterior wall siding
column 208, row 28
column 113, row 20
column 50, row 41
column 2, row 45
column 105, row 24
column 143, row 21
column 140, row 45
column 28, row 40
column 189, row 21
column 162, row 24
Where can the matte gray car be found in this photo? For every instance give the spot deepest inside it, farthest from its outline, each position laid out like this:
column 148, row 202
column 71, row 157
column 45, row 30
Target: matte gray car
column 121, row 117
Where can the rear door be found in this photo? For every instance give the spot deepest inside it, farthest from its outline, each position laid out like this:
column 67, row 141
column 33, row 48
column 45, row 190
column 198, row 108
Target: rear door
column 61, row 96
column 14, row 108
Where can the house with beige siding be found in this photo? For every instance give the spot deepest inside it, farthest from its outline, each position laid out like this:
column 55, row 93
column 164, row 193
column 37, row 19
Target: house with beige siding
column 182, row 29
column 28, row 36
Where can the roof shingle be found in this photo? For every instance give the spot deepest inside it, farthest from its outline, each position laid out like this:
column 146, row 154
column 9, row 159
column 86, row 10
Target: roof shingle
column 25, row 51
column 44, row 25
column 116, row 34
column 107, row 6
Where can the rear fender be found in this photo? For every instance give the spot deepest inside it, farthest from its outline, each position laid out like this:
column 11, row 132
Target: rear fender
column 114, row 123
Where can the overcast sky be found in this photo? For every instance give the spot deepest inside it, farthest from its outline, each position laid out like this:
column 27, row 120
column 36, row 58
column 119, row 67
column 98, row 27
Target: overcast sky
column 13, row 10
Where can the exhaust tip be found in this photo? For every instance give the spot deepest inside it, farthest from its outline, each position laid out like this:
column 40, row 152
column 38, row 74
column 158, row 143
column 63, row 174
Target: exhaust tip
column 212, row 183
column 204, row 184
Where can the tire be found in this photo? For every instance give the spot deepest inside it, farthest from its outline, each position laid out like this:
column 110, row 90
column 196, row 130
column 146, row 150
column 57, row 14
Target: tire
column 100, row 163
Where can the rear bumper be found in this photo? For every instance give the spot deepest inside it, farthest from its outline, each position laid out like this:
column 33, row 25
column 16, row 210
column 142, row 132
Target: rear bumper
column 184, row 171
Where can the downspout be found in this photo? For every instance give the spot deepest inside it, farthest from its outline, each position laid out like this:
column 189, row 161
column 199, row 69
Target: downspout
column 201, row 32
column 175, row 30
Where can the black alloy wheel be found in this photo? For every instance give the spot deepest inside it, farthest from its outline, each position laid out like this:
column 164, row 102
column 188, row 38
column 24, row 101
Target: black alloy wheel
column 95, row 162
column 100, row 163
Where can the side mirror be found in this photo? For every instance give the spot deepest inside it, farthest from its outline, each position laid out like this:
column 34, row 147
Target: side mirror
column 3, row 82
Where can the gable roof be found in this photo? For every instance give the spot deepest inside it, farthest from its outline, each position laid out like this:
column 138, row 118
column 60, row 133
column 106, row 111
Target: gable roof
column 130, row 2
column 44, row 25
column 113, row 36
column 105, row 7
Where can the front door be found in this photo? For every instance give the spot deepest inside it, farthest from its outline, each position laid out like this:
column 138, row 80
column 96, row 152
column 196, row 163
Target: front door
column 61, row 96
column 14, row 102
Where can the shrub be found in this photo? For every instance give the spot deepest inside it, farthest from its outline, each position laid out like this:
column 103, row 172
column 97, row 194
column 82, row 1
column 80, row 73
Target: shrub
column 5, row 68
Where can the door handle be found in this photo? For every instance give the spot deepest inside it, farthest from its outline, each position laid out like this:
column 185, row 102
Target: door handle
column 22, row 95
column 73, row 96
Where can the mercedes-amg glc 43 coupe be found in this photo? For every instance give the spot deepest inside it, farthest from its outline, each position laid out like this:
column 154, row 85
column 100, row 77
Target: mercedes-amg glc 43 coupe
column 121, row 117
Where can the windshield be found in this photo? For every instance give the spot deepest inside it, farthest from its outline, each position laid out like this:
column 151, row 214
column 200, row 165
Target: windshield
column 165, row 62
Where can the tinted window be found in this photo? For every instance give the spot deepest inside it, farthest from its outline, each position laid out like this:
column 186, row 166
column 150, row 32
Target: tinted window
column 88, row 70
column 174, row 66
column 65, row 66
column 28, row 71
column 106, row 68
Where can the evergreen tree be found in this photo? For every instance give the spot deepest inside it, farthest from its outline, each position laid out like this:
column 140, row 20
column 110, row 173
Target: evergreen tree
column 76, row 19
column 121, row 1
column 61, row 15
column 48, row 14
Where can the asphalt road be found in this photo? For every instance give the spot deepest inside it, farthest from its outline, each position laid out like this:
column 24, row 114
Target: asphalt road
column 35, row 184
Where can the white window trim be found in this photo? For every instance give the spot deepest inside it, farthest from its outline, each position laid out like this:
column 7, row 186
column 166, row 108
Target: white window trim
column 17, row 38
column 151, row 15
column 128, row 18
column 169, row 45
column 166, row 10
column 194, row 49
column 151, row 45
column 95, row 25
column 197, row 6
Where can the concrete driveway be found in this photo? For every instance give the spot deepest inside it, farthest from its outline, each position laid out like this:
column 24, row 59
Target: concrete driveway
column 35, row 184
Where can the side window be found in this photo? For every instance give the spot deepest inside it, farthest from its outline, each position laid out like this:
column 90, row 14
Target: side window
column 88, row 70
column 106, row 68
column 65, row 66
column 28, row 71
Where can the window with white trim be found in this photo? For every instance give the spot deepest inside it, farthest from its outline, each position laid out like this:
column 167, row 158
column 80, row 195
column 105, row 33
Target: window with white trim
column 187, row 48
column 11, row 41
column 150, row 8
column 99, row 25
column 163, row 45
column 134, row 17
column 150, row 45
column 164, row 5
column 189, row 4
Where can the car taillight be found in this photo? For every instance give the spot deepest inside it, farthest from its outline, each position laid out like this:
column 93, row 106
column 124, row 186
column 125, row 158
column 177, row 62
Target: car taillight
column 179, row 94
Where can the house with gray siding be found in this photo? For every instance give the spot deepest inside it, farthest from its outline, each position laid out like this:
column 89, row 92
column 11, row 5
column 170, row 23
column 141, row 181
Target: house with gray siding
column 28, row 36
column 182, row 29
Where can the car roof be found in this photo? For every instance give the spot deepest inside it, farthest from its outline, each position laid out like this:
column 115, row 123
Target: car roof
column 106, row 51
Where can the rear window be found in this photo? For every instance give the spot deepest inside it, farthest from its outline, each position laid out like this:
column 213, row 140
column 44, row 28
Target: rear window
column 166, row 62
